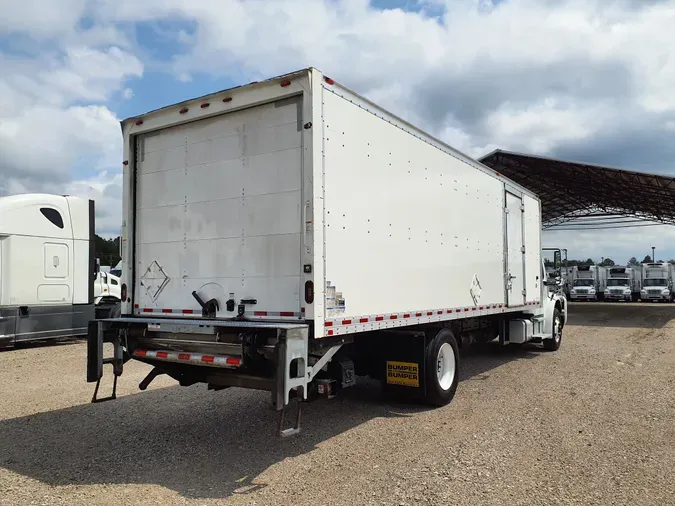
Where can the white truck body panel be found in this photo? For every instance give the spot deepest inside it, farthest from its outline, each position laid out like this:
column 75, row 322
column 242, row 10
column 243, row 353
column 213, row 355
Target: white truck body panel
column 296, row 180
column 218, row 210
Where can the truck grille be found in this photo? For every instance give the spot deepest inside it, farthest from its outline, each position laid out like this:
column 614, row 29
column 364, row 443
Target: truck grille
column 654, row 292
column 616, row 292
column 582, row 290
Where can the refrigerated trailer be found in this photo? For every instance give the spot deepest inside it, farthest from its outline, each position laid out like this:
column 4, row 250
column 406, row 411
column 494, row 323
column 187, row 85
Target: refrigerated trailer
column 290, row 235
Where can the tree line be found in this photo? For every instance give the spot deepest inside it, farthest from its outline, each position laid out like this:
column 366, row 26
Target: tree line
column 107, row 250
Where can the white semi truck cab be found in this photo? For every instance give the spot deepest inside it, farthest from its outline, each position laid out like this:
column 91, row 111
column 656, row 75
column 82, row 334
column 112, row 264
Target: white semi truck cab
column 657, row 282
column 588, row 282
column 47, row 267
column 623, row 283
column 107, row 293
column 290, row 235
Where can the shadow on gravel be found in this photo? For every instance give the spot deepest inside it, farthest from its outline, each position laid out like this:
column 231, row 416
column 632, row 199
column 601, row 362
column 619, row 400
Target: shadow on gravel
column 644, row 315
column 200, row 443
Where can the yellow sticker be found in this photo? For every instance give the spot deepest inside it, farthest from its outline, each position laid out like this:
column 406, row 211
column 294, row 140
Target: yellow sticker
column 403, row 373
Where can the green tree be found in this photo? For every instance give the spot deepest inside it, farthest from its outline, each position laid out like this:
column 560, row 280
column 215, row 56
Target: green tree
column 633, row 262
column 647, row 259
column 107, row 250
column 608, row 262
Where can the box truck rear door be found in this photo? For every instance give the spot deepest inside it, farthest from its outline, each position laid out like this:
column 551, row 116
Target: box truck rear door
column 514, row 251
column 218, row 211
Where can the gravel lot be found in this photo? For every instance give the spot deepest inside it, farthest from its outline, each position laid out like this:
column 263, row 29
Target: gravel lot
column 590, row 424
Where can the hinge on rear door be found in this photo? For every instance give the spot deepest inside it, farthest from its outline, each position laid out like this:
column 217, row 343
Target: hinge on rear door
column 522, row 207
column 524, row 292
column 522, row 249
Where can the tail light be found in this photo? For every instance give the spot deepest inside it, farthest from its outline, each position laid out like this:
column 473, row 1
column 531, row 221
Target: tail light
column 309, row 292
column 123, row 293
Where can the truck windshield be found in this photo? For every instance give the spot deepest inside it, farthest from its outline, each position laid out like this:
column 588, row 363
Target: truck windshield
column 584, row 282
column 655, row 282
column 617, row 282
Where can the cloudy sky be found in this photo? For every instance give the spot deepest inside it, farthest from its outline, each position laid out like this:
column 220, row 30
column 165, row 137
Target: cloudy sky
column 586, row 80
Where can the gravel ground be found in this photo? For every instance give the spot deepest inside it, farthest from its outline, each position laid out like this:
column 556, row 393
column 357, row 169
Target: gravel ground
column 590, row 424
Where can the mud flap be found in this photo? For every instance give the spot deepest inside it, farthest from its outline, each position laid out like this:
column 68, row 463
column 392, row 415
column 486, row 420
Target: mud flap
column 403, row 366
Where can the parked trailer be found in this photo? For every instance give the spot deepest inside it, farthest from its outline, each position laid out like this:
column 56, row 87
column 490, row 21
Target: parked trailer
column 588, row 282
column 623, row 283
column 657, row 282
column 289, row 235
column 47, row 267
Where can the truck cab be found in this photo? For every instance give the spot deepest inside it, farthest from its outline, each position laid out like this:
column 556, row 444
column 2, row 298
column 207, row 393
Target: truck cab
column 657, row 282
column 47, row 267
column 107, row 293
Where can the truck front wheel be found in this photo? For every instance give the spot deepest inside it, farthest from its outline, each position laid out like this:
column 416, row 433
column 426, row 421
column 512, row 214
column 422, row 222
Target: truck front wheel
column 442, row 368
column 554, row 343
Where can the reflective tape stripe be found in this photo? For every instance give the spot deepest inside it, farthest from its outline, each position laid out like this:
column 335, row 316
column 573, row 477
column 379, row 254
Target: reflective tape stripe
column 224, row 361
column 255, row 314
column 413, row 317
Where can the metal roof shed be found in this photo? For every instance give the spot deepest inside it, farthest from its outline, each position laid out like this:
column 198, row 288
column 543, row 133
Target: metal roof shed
column 572, row 190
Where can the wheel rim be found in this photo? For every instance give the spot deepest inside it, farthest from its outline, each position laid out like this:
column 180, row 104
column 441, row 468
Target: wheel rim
column 557, row 329
column 445, row 366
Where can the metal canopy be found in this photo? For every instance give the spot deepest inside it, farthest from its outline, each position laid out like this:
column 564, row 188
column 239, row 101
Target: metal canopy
column 591, row 193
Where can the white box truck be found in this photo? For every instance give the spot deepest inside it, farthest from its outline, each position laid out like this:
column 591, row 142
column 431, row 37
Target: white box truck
column 623, row 283
column 588, row 282
column 47, row 267
column 657, row 282
column 289, row 235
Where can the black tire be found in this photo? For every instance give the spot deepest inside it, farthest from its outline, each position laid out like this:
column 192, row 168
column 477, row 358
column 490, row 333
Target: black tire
column 116, row 311
column 554, row 343
column 436, row 395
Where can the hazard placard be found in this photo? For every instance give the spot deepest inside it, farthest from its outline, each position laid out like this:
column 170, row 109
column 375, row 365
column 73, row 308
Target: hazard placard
column 403, row 373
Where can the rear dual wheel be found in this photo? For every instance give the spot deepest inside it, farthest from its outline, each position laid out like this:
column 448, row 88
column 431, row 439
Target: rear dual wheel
column 442, row 368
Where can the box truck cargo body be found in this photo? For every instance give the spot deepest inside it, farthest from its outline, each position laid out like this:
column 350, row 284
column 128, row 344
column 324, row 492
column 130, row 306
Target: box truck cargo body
column 289, row 235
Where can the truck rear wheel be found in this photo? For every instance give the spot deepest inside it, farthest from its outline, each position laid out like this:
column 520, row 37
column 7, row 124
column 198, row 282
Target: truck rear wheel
column 442, row 368
column 554, row 343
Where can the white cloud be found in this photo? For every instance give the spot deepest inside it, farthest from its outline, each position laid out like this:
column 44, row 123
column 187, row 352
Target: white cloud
column 585, row 79
column 128, row 93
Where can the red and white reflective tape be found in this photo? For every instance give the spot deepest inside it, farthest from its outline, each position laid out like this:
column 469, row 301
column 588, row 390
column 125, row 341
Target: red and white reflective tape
column 223, row 361
column 341, row 326
column 256, row 314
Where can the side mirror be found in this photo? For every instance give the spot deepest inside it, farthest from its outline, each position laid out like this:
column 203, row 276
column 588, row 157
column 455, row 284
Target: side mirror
column 557, row 260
